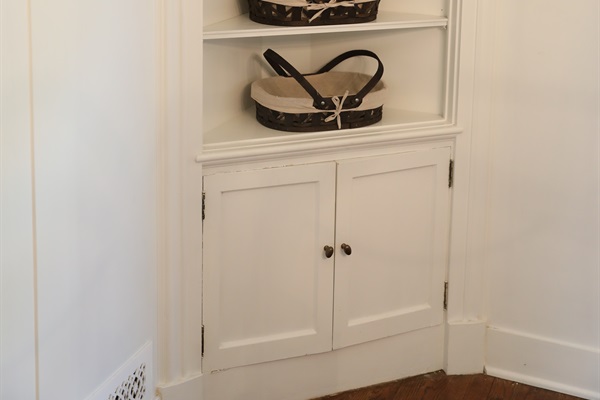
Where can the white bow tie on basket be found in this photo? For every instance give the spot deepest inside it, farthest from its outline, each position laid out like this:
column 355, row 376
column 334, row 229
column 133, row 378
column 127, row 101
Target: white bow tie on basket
column 338, row 109
column 324, row 6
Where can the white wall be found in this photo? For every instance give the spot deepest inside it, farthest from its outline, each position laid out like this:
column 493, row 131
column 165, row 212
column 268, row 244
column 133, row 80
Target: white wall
column 543, row 221
column 17, row 322
column 93, row 165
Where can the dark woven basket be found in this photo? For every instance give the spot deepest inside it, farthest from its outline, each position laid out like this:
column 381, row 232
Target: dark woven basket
column 358, row 99
column 273, row 13
column 315, row 122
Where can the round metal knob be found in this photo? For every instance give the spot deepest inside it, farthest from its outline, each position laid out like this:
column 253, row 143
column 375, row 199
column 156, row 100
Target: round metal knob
column 328, row 251
column 347, row 249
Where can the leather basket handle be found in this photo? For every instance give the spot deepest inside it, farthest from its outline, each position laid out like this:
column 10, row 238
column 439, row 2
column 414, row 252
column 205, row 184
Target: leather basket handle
column 283, row 68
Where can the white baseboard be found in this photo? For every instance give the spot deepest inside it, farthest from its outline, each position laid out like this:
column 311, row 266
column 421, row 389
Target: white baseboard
column 121, row 386
column 189, row 389
column 536, row 361
column 465, row 347
column 318, row 375
column 543, row 362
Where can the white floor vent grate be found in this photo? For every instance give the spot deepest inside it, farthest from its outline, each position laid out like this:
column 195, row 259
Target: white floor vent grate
column 133, row 388
column 132, row 381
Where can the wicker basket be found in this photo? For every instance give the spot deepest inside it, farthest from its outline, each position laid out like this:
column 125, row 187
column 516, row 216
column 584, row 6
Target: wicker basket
column 325, row 100
column 312, row 12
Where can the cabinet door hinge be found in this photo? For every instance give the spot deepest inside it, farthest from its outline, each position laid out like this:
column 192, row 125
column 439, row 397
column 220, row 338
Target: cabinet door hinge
column 203, row 206
column 202, row 341
column 451, row 174
column 446, row 295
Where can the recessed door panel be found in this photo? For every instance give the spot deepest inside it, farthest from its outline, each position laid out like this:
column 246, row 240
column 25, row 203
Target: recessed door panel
column 267, row 282
column 393, row 212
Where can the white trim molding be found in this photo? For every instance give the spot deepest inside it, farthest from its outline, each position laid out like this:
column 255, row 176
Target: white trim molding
column 318, row 375
column 543, row 362
column 465, row 347
column 190, row 388
column 180, row 226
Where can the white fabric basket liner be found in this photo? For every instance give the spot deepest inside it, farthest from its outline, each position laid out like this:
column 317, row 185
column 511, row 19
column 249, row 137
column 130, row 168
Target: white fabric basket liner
column 304, row 3
column 286, row 95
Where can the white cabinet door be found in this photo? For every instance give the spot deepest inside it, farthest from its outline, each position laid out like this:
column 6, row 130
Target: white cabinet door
column 393, row 212
column 267, row 282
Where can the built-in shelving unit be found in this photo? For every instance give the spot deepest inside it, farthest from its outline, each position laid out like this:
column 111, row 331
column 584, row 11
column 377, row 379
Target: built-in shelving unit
column 289, row 201
column 412, row 38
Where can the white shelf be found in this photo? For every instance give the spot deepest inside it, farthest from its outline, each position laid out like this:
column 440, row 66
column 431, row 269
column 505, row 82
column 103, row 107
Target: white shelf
column 242, row 27
column 244, row 130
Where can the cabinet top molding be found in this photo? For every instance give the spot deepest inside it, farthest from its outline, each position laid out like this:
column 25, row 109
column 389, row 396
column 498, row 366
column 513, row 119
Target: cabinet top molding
column 242, row 27
column 221, row 156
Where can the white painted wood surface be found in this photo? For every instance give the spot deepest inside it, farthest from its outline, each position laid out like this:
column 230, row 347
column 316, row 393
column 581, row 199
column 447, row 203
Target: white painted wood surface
column 420, row 81
column 268, row 287
column 179, row 277
column 241, row 26
column 321, row 374
column 422, row 70
column 543, row 361
column 393, row 212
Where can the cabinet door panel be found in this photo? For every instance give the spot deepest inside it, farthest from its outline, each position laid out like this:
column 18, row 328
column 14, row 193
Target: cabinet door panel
column 267, row 284
column 393, row 212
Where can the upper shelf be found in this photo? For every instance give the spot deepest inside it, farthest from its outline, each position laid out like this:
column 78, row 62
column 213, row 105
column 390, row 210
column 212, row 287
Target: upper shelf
column 242, row 27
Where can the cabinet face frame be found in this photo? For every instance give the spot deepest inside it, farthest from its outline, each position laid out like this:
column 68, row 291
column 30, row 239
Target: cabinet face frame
column 335, row 328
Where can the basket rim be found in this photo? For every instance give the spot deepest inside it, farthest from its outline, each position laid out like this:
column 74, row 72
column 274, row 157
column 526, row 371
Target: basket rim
column 305, row 104
column 306, row 3
column 316, row 122
column 312, row 12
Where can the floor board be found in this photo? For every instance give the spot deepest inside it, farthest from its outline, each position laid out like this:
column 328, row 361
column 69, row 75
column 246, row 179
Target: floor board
column 439, row 386
column 502, row 389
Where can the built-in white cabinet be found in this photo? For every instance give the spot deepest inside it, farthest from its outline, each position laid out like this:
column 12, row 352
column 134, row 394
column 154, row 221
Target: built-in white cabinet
column 314, row 243
column 304, row 259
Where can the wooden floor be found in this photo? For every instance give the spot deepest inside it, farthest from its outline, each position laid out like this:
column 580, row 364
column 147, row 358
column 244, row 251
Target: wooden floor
column 439, row 386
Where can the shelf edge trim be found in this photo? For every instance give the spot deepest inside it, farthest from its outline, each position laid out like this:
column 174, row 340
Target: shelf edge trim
column 326, row 144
